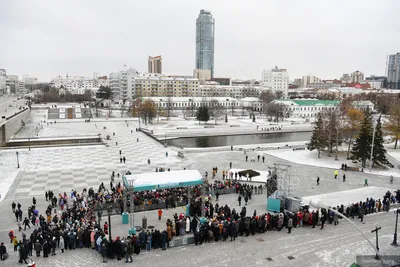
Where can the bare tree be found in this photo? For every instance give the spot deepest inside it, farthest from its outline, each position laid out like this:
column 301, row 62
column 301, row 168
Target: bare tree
column 216, row 110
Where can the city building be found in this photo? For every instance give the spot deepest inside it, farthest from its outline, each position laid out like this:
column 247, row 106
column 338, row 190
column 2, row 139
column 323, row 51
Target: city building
column 191, row 104
column 309, row 79
column 12, row 84
column 122, row 84
column 202, row 75
column 393, row 71
column 356, row 77
column 363, row 105
column 276, row 80
column 344, row 92
column 155, row 64
column 213, row 89
column 75, row 84
column 205, row 30
column 376, row 82
column 222, row 81
column 308, row 108
column 155, row 85
column 325, row 84
column 245, row 82
column 3, row 78
column 345, row 78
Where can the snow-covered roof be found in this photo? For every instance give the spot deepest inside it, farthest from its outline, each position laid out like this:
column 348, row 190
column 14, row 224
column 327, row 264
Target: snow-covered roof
column 250, row 99
column 159, row 180
column 191, row 99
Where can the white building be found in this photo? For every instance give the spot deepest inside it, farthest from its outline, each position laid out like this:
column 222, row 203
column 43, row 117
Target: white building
column 122, row 84
column 3, row 78
column 276, row 80
column 356, row 77
column 308, row 108
column 363, row 105
column 306, row 80
column 78, row 84
column 192, row 103
column 202, row 75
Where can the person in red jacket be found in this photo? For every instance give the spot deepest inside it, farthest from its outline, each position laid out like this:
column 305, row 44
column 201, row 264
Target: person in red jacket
column 159, row 214
column 11, row 235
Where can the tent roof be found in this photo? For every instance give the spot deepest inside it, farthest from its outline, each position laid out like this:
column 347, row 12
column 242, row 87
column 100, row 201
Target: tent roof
column 159, row 180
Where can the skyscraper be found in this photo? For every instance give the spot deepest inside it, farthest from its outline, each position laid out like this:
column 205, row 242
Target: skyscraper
column 393, row 71
column 205, row 28
column 155, row 64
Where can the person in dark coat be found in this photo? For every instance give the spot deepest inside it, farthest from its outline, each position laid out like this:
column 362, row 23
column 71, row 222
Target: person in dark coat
column 3, row 251
column 232, row 230
column 53, row 246
column 104, row 251
column 45, row 249
column 118, row 248
column 23, row 254
column 38, row 248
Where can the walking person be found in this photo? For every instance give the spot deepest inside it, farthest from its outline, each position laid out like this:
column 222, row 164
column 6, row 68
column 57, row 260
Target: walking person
column 217, row 196
column 263, row 159
column 318, row 180
column 344, row 177
column 247, row 157
column 159, row 214
column 124, row 159
column 366, row 182
column 239, row 199
column 336, row 173
column 391, row 179
column 290, row 224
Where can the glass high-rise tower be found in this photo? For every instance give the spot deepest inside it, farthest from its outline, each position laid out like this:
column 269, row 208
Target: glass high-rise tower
column 205, row 28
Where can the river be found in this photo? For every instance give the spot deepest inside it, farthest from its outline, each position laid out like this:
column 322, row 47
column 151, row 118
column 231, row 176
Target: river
column 244, row 139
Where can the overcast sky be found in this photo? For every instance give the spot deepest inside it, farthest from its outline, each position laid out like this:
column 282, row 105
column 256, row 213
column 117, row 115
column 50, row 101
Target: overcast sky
column 45, row 38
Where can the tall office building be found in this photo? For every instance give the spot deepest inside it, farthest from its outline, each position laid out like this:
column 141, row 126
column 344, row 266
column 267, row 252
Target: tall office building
column 3, row 75
column 357, row 76
column 393, row 71
column 155, row 64
column 205, row 29
column 276, row 80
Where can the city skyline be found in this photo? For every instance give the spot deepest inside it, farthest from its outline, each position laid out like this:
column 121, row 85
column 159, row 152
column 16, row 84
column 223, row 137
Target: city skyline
column 303, row 39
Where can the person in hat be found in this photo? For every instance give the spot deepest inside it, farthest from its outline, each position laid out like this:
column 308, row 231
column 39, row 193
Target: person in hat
column 31, row 263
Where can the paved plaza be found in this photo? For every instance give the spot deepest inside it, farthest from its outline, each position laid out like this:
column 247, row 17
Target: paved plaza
column 63, row 169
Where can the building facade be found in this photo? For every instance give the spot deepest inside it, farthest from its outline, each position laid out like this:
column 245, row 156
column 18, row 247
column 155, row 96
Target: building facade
column 122, row 84
column 306, row 80
column 356, row 77
column 276, row 80
column 3, row 78
column 205, row 30
column 155, row 64
column 393, row 71
column 213, row 89
column 308, row 108
column 75, row 84
column 151, row 85
column 202, row 75
column 193, row 103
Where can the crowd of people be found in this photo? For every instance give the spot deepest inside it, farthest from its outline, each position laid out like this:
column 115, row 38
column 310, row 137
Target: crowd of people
column 75, row 225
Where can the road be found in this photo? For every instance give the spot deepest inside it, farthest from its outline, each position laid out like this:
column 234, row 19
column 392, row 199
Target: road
column 10, row 105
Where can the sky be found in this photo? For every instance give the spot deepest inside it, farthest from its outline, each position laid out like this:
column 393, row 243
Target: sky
column 46, row 38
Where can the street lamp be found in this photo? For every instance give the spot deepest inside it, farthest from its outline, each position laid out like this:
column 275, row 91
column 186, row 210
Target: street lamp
column 372, row 146
column 394, row 243
column 377, row 228
column 17, row 159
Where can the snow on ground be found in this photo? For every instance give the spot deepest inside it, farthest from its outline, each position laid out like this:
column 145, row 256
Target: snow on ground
column 9, row 169
column 347, row 197
column 307, row 157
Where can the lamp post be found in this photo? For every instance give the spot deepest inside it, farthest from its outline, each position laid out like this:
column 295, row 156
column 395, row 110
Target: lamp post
column 372, row 147
column 394, row 243
column 17, row 159
column 377, row 228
